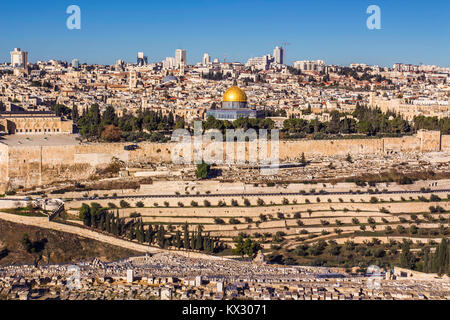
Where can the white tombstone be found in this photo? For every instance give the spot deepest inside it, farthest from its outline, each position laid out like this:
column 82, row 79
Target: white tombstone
column 166, row 293
column 130, row 276
column 198, row 281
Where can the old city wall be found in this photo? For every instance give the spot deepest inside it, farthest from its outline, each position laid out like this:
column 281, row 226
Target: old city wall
column 3, row 166
column 403, row 144
column 35, row 165
column 445, row 143
column 294, row 149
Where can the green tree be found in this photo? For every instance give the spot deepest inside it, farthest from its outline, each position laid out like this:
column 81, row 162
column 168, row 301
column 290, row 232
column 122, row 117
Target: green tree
column 202, row 170
column 186, row 240
column 406, row 257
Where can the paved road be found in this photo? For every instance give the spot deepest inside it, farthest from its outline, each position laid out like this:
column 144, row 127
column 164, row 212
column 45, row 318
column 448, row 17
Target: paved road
column 255, row 194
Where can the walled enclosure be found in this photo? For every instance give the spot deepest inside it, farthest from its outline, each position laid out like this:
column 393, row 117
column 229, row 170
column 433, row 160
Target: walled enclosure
column 37, row 164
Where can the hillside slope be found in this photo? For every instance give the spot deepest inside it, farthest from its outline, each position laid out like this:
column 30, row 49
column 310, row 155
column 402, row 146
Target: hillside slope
column 52, row 246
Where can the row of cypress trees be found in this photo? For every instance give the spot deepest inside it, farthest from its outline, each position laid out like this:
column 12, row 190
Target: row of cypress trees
column 95, row 216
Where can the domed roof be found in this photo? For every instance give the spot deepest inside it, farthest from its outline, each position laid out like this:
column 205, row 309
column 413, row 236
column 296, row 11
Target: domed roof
column 169, row 78
column 234, row 94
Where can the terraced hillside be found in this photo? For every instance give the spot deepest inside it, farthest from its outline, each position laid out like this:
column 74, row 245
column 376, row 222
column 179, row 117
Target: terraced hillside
column 283, row 223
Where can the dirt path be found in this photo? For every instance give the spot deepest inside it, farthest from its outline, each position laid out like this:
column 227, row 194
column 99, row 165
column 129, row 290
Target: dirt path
column 42, row 222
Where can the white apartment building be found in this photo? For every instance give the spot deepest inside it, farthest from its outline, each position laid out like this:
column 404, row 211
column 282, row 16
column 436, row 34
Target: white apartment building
column 206, row 60
column 307, row 65
column 169, row 63
column 278, row 55
column 180, row 57
column 19, row 58
column 262, row 63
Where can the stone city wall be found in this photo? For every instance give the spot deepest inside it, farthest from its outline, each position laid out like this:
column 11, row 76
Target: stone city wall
column 35, row 165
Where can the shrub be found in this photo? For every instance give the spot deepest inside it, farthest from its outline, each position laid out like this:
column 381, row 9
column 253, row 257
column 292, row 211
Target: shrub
column 401, row 229
column 206, row 203
column 219, row 221
column 139, row 204
column 435, row 198
column 124, row 204
column 247, row 202
column 234, row 221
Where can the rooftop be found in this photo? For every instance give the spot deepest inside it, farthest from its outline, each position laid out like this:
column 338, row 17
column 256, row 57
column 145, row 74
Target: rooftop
column 19, row 140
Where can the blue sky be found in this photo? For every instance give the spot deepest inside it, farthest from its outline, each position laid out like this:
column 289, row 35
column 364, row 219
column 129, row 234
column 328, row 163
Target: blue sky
column 335, row 31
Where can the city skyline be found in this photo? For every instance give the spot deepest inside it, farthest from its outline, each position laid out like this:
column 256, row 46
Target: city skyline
column 408, row 34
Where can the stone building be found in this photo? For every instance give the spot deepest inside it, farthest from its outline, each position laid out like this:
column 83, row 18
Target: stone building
column 36, row 122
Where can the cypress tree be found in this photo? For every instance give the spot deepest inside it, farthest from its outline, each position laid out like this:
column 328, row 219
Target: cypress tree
column 108, row 222
column 178, row 243
column 442, row 258
column 199, row 239
column 186, row 240
column 192, row 246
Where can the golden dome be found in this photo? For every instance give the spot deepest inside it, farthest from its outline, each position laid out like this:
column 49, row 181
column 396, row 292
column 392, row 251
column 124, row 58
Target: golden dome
column 234, row 94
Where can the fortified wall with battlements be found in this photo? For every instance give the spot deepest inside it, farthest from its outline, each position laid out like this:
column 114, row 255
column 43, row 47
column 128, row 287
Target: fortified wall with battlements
column 37, row 160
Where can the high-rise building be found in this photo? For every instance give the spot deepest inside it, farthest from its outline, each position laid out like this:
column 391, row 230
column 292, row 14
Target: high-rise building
column 142, row 60
column 206, row 60
column 169, row 63
column 278, row 54
column 19, row 58
column 120, row 65
column 180, row 57
column 75, row 64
